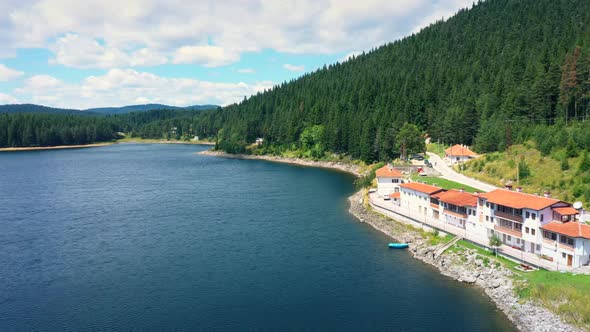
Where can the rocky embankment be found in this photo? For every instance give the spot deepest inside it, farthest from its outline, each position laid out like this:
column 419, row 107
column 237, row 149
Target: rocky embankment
column 468, row 267
column 342, row 166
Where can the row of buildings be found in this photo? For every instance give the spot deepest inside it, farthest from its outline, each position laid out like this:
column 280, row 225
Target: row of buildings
column 542, row 229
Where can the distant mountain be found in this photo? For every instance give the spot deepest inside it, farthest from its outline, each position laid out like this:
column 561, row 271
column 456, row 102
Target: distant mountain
column 147, row 107
column 32, row 108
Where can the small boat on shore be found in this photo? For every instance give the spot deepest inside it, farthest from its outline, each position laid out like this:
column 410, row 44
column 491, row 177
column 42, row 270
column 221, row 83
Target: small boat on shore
column 398, row 245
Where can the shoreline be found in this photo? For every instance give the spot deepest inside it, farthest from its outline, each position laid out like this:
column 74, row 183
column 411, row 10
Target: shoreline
column 466, row 267
column 58, row 147
column 339, row 166
column 94, row 145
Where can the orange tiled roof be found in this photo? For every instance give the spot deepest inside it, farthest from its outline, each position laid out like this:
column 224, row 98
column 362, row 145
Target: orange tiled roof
column 571, row 229
column 421, row 187
column 566, row 211
column 518, row 200
column 457, row 198
column 459, row 150
column 395, row 195
column 387, row 172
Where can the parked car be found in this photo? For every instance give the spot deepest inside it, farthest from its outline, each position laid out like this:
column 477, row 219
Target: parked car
column 418, row 157
column 386, row 198
column 423, row 173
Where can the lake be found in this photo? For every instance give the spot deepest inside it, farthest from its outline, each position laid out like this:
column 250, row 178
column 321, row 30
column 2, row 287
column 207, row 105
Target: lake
column 156, row 237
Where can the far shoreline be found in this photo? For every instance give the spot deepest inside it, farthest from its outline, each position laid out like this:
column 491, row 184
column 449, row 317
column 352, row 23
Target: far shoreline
column 95, row 145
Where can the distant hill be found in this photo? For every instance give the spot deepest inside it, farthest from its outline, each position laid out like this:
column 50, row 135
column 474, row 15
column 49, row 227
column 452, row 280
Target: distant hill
column 147, row 107
column 32, row 108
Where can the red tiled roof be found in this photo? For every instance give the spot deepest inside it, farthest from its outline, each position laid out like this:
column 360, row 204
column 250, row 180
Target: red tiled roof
column 421, row 187
column 457, row 198
column 395, row 195
column 566, row 211
column 571, row 229
column 387, row 172
column 518, row 200
column 459, row 150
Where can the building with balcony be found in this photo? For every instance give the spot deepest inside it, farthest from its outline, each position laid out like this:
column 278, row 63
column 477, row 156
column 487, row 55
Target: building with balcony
column 457, row 208
column 388, row 180
column 415, row 197
column 564, row 240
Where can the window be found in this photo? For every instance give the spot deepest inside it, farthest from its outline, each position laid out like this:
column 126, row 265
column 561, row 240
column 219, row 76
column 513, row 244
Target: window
column 487, row 218
column 541, row 217
column 563, row 254
column 528, row 214
column 492, row 205
column 533, row 231
column 526, row 229
column 487, row 204
column 533, row 215
column 538, row 247
column 518, row 226
column 508, row 237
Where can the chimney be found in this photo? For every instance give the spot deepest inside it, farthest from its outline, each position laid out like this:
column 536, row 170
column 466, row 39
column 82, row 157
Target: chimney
column 508, row 187
column 519, row 189
column 547, row 194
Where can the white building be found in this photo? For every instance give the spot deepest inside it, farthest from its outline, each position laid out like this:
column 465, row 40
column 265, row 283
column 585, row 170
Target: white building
column 388, row 180
column 536, row 224
column 458, row 209
column 459, row 153
column 415, row 197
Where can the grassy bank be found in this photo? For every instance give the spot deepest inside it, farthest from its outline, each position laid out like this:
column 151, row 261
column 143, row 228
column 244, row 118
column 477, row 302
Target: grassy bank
column 566, row 177
column 443, row 183
column 565, row 294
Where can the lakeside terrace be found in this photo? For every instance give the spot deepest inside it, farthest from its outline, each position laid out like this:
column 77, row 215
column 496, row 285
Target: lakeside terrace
column 417, row 216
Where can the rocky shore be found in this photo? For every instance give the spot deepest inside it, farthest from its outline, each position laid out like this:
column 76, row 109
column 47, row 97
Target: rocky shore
column 341, row 166
column 468, row 267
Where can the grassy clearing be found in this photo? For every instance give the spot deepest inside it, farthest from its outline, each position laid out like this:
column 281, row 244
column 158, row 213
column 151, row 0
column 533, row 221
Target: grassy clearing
column 443, row 183
column 555, row 173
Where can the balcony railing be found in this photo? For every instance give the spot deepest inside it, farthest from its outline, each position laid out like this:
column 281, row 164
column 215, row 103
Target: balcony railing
column 509, row 231
column 455, row 214
column 509, row 216
column 566, row 247
column 434, row 206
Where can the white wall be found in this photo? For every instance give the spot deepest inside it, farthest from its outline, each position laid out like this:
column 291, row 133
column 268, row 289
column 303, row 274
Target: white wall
column 385, row 186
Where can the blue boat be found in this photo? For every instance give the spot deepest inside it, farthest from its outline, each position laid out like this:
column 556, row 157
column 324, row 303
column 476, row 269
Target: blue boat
column 398, row 245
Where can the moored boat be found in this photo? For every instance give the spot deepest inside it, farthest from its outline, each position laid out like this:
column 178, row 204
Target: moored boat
column 398, row 245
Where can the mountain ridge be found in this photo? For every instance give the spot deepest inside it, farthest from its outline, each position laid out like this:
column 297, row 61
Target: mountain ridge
column 35, row 108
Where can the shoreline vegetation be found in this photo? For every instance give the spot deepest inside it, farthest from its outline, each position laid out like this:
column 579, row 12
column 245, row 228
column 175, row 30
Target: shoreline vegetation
column 94, row 145
column 463, row 262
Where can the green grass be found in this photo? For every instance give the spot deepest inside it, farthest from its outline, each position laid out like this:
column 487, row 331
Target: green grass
column 437, row 148
column 546, row 173
column 443, row 183
column 563, row 293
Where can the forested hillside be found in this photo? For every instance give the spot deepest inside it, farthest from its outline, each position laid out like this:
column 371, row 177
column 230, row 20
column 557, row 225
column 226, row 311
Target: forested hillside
column 483, row 77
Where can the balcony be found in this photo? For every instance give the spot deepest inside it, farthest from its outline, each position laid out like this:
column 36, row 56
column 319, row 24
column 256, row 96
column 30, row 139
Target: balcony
column 509, row 216
column 549, row 242
column 509, row 231
column 455, row 214
column 434, row 206
column 566, row 247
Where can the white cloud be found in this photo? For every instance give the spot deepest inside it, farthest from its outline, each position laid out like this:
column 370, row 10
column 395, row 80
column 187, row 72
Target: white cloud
column 246, row 71
column 174, row 29
column 7, row 74
column 291, row 67
column 124, row 86
column 208, row 56
column 7, row 99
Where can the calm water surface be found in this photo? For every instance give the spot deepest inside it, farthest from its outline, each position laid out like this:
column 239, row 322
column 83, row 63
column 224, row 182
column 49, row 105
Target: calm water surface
column 155, row 237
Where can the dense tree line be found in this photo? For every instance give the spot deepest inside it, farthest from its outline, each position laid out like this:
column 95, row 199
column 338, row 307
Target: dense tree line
column 482, row 77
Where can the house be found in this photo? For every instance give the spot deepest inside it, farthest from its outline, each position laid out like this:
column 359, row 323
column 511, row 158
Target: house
column 415, row 197
column 566, row 240
column 456, row 208
column 388, row 180
column 259, row 141
column 459, row 153
column 531, row 223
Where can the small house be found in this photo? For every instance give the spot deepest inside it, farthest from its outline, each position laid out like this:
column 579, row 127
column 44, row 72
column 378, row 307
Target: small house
column 388, row 180
column 459, row 153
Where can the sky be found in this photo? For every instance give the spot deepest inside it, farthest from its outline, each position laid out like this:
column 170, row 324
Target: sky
column 84, row 54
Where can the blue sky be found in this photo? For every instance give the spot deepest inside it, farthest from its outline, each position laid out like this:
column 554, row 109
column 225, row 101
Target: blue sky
column 82, row 54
